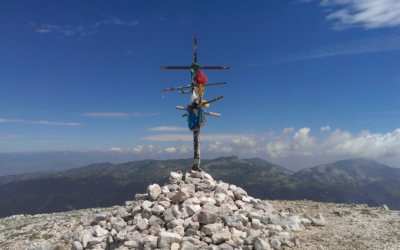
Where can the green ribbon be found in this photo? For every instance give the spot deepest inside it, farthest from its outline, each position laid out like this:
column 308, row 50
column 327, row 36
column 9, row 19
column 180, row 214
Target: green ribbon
column 192, row 72
column 184, row 92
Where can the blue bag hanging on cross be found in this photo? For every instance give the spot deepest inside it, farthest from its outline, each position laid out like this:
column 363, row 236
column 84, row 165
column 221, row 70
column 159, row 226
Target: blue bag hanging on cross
column 195, row 118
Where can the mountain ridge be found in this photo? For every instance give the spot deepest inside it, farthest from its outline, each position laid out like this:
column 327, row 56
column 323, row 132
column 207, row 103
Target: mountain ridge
column 77, row 187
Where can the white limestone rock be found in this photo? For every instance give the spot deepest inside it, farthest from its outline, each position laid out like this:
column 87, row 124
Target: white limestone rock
column 294, row 223
column 171, row 214
column 157, row 210
column 146, row 204
column 174, row 177
column 99, row 232
column 118, row 224
column 143, row 224
column 260, row 244
column 221, row 236
column 210, row 229
column 208, row 214
column 77, row 246
column 275, row 244
column 166, row 239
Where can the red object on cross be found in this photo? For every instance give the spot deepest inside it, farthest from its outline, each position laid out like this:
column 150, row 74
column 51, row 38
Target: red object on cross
column 201, row 77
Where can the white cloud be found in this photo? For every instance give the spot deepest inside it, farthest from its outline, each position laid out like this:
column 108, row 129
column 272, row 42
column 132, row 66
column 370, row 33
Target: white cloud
column 369, row 14
column 116, row 21
column 278, row 149
column 117, row 115
column 142, row 149
column 170, row 150
column 336, row 137
column 367, row 45
column 55, row 123
column 138, row 149
column 244, row 143
column 383, row 147
column 370, row 145
column 301, row 144
column 340, row 144
column 286, row 131
column 326, row 128
column 226, row 149
column 64, row 30
column 189, row 137
column 214, row 146
column 185, row 149
column 150, row 148
column 78, row 30
column 116, row 149
column 166, row 128
column 302, row 141
column 42, row 122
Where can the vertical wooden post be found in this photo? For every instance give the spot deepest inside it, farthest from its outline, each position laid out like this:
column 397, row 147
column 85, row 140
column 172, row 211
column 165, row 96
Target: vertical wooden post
column 195, row 49
column 196, row 133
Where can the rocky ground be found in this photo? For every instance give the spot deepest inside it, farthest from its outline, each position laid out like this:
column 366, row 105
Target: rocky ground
column 349, row 226
column 346, row 226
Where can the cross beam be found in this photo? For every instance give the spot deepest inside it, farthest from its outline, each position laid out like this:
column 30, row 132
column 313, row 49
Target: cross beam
column 195, row 68
column 196, row 132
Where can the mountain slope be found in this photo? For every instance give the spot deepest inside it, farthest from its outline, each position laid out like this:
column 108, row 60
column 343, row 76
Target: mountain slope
column 106, row 184
column 356, row 171
column 265, row 163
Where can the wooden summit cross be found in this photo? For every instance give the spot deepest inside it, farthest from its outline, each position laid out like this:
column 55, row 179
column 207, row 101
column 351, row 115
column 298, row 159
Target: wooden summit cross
column 196, row 101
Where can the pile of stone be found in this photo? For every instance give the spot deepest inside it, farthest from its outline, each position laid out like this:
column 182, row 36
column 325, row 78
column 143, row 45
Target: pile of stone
column 193, row 211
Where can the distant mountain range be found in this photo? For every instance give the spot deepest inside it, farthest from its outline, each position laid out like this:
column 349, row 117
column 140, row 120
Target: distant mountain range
column 106, row 184
column 26, row 162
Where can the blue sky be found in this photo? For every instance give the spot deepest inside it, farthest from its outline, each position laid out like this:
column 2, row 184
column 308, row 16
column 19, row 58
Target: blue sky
column 310, row 81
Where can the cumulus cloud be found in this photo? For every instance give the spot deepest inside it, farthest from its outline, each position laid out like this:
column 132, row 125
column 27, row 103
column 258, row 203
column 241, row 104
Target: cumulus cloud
column 42, row 122
column 302, row 141
column 170, row 150
column 277, row 149
column 150, row 150
column 214, row 146
column 116, row 149
column 326, row 128
column 141, row 149
column 286, row 131
column 244, row 143
column 166, row 128
column 189, row 137
column 185, row 149
column 339, row 144
column 367, row 144
column 369, row 14
column 117, row 115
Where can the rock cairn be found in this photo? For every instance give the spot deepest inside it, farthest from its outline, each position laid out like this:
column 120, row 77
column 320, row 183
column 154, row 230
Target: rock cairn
column 193, row 211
